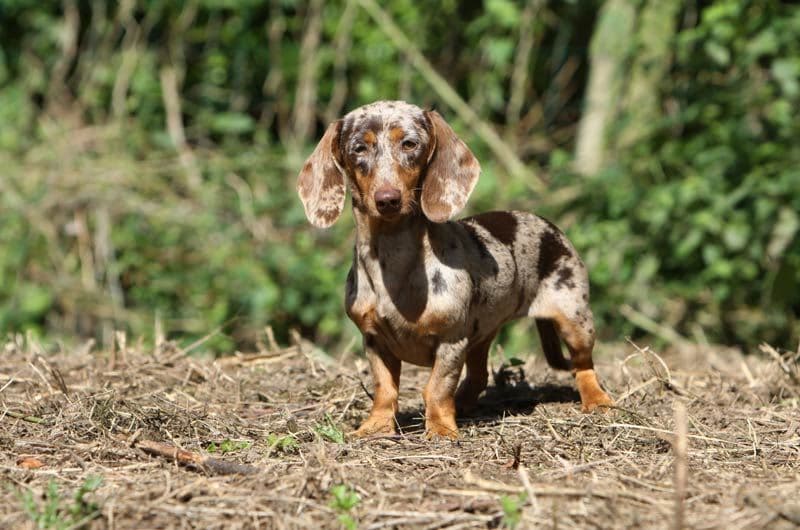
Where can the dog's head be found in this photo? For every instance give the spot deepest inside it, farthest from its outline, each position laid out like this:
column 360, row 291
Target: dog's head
column 393, row 155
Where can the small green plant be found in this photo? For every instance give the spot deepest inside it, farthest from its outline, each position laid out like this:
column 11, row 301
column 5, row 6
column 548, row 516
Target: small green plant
column 343, row 501
column 285, row 444
column 329, row 431
column 512, row 509
column 228, row 446
column 56, row 512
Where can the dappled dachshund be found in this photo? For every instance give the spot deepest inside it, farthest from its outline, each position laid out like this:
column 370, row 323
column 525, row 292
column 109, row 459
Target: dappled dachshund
column 434, row 292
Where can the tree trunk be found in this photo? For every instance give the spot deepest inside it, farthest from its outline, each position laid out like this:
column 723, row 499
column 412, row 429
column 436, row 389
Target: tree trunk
column 610, row 47
column 641, row 108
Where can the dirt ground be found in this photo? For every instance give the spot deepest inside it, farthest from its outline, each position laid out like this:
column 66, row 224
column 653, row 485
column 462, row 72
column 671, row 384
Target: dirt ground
column 138, row 438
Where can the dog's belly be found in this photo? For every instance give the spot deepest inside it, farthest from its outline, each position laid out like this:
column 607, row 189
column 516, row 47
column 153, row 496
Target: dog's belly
column 408, row 348
column 413, row 342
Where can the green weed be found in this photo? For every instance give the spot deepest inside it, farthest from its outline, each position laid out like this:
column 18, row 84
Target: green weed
column 330, row 431
column 228, row 446
column 59, row 513
column 343, row 501
column 512, row 509
column 285, row 443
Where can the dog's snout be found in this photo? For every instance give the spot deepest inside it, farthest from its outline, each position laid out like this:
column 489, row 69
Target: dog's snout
column 387, row 200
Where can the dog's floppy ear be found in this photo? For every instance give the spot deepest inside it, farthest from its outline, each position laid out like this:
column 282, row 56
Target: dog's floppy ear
column 321, row 181
column 452, row 172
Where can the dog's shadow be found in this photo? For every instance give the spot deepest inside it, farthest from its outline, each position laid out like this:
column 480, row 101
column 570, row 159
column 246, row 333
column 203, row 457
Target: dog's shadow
column 511, row 394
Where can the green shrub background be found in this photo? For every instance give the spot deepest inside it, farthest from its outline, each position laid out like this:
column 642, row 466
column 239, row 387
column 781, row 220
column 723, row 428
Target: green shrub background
column 108, row 223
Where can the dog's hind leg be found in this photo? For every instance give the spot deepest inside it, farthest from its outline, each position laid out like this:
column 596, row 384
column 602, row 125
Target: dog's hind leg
column 578, row 334
column 565, row 310
column 477, row 376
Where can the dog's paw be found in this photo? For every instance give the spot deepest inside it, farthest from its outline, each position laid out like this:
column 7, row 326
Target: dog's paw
column 592, row 396
column 599, row 401
column 373, row 426
column 438, row 429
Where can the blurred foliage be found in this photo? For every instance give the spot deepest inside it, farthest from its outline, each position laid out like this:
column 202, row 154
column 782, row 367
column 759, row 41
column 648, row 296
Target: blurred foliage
column 701, row 218
column 111, row 220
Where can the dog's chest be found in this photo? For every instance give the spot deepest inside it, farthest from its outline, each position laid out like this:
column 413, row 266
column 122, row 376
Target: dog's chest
column 409, row 307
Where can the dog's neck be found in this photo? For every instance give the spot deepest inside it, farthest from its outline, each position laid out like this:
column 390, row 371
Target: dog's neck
column 395, row 245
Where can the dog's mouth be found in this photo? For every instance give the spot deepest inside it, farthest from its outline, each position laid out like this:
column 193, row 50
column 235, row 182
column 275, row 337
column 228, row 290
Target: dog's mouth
column 391, row 216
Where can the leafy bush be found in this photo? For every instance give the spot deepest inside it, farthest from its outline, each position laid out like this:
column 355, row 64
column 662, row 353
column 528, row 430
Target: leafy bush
column 697, row 225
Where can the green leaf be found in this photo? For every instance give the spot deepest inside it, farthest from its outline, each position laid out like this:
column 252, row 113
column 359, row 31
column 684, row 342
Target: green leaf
column 232, row 123
column 786, row 72
column 736, row 235
column 504, row 12
column 34, row 300
column 719, row 53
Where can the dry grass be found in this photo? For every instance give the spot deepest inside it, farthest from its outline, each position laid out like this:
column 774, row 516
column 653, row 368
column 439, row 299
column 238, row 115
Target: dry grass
column 69, row 416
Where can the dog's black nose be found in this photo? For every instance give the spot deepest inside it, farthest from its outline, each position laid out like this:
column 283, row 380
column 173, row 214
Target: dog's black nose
column 387, row 200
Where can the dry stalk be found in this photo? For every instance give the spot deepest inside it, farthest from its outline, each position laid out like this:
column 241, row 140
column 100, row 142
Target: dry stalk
column 784, row 366
column 680, row 447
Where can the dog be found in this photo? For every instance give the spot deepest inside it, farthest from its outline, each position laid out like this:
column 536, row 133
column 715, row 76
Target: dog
column 433, row 292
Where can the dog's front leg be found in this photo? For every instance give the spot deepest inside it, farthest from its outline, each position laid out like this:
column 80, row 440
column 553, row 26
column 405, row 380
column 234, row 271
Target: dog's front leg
column 439, row 393
column 386, row 377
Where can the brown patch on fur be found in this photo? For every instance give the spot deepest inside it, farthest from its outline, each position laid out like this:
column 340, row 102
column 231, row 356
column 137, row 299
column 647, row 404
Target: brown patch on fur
column 502, row 225
column 565, row 278
column 374, row 123
column 396, row 134
column 370, row 137
column 433, row 324
column 409, row 177
column 365, row 318
column 329, row 215
column 551, row 250
column 362, row 182
column 479, row 243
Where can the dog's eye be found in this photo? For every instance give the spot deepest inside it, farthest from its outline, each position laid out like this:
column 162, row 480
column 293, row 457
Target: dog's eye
column 360, row 149
column 409, row 145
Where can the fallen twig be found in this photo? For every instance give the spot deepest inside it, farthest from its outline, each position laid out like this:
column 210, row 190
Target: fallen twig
column 194, row 460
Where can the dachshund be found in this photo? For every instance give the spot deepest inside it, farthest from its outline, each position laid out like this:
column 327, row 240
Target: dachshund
column 434, row 292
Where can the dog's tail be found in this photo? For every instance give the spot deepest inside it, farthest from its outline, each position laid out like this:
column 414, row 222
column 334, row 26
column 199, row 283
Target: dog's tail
column 551, row 344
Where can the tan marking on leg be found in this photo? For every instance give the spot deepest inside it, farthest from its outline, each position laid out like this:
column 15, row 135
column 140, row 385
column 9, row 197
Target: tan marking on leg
column 386, row 374
column 592, row 396
column 439, row 393
column 440, row 414
column 580, row 343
